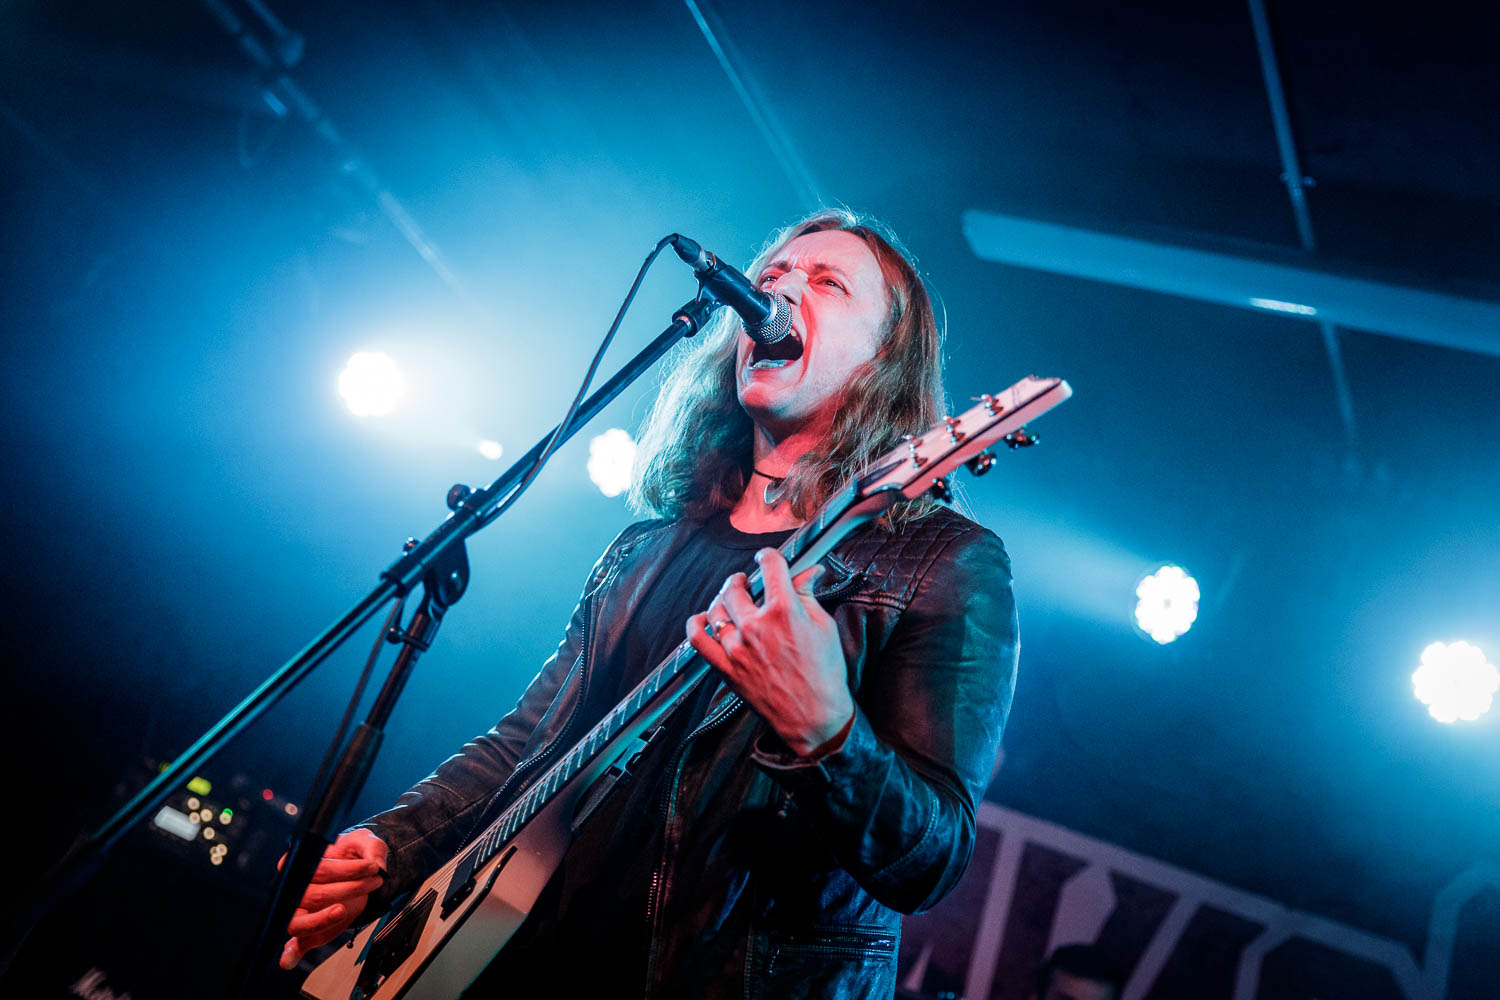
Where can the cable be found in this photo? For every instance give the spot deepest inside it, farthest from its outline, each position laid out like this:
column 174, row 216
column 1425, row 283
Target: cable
column 588, row 378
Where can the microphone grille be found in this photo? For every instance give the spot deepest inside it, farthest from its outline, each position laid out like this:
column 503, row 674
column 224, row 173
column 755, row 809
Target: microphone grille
column 776, row 326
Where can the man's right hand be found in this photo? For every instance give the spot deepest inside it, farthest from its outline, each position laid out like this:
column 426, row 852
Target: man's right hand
column 351, row 869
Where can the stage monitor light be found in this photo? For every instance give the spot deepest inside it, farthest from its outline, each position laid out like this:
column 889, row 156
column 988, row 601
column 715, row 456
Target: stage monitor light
column 371, row 384
column 1455, row 681
column 490, row 449
column 611, row 456
column 1167, row 603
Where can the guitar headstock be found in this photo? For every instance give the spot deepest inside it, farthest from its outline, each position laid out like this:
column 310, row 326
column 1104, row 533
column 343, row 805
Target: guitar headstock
column 924, row 463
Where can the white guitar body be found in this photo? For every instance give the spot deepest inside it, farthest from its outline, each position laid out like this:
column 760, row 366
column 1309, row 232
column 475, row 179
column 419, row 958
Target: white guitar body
column 459, row 946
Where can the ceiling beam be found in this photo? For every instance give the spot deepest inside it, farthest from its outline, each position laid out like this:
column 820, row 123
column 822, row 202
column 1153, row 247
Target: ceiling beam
column 1316, row 294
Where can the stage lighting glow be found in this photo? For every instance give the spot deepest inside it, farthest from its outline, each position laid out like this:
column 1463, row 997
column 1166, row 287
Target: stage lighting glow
column 371, row 384
column 1167, row 603
column 611, row 455
column 1455, row 681
column 490, row 449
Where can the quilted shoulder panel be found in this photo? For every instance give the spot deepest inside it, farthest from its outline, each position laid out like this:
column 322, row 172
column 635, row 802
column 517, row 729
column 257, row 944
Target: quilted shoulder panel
column 892, row 564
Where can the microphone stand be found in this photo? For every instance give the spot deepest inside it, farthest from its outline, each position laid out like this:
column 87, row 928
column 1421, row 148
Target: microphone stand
column 438, row 561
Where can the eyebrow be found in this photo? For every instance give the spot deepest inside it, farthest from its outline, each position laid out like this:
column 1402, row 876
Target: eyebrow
column 817, row 267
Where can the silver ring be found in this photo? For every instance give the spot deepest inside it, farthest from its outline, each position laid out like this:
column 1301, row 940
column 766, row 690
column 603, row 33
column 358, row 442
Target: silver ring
column 715, row 627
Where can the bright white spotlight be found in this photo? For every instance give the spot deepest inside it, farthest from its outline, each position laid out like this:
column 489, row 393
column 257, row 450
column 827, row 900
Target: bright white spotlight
column 371, row 384
column 611, row 455
column 1455, row 681
column 490, row 449
column 1167, row 603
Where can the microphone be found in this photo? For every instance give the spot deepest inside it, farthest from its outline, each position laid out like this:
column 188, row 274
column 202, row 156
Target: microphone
column 768, row 318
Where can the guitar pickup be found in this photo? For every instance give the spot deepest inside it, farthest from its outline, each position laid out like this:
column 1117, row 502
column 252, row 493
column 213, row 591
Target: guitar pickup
column 392, row 945
column 461, row 884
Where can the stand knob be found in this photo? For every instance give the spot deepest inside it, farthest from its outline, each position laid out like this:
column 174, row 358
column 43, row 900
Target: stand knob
column 457, row 494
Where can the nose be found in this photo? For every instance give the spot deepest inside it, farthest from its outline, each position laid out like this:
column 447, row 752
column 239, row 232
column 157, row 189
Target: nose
column 790, row 284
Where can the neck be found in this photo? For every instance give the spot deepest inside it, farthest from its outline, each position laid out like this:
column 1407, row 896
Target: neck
column 773, row 457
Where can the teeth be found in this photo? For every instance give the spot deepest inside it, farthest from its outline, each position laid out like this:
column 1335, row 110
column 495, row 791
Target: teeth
column 769, row 363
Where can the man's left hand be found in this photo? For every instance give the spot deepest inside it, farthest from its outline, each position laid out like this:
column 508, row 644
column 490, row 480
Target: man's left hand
column 782, row 656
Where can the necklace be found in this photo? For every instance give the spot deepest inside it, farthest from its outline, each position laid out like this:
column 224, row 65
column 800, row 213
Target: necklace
column 774, row 488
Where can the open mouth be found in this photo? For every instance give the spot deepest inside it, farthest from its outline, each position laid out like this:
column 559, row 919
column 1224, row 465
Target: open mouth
column 777, row 355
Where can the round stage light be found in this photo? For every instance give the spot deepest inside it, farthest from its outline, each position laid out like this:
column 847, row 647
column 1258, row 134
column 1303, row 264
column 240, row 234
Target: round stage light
column 371, row 384
column 611, row 455
column 1455, row 681
column 1167, row 603
column 490, row 449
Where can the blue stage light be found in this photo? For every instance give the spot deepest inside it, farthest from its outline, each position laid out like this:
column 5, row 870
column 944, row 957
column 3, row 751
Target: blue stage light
column 490, row 449
column 1455, row 681
column 1167, row 603
column 371, row 384
column 611, row 456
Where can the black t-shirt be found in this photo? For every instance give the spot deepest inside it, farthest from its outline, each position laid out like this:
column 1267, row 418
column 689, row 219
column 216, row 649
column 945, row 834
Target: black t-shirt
column 588, row 934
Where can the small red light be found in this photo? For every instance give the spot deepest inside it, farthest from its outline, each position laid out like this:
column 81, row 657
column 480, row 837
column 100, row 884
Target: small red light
column 267, row 794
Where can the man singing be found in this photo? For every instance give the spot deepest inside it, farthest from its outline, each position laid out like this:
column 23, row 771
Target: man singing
column 824, row 779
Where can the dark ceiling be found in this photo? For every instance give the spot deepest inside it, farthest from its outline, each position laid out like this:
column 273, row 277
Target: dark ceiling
column 186, row 269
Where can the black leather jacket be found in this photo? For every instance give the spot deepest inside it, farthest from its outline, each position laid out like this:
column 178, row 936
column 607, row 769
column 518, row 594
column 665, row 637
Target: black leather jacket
column 799, row 870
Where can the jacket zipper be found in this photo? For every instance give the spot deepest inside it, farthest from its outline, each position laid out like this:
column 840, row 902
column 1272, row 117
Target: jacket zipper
column 668, row 802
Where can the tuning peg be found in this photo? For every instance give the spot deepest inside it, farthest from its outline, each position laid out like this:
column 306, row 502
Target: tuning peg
column 1021, row 438
column 917, row 461
column 940, row 490
column 991, row 404
column 980, row 463
column 954, row 434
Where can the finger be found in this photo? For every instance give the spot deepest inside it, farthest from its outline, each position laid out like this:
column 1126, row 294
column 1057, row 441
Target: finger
column 776, row 575
column 359, row 844
column 317, row 940
column 342, row 870
column 737, row 601
column 315, row 927
column 717, row 613
column 291, row 955
column 805, row 581
column 310, row 924
column 319, row 896
column 706, row 646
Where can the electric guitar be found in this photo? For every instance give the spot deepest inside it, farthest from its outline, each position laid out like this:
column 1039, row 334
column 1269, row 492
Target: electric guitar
column 458, row 920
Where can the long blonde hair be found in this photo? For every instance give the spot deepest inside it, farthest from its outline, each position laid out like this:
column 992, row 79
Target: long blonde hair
column 695, row 448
